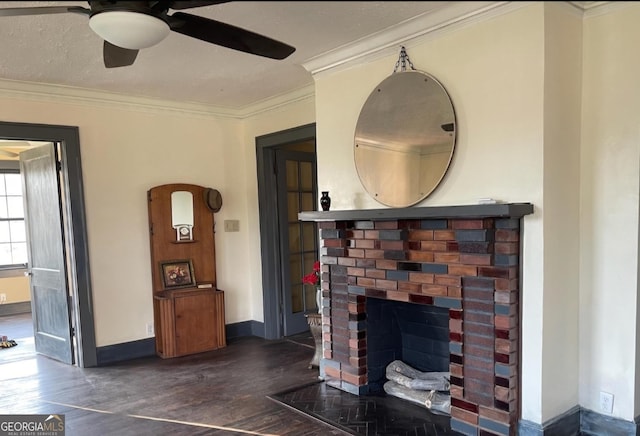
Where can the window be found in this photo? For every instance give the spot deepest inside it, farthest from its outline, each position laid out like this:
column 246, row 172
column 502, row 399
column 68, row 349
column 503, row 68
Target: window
column 13, row 237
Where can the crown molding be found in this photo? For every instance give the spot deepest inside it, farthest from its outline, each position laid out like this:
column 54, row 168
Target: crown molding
column 82, row 96
column 446, row 19
column 88, row 97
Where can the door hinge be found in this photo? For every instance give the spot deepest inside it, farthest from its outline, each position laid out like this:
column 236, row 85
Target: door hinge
column 73, row 331
column 59, row 165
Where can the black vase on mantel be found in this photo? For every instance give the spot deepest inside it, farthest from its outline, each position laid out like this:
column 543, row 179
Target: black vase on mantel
column 325, row 200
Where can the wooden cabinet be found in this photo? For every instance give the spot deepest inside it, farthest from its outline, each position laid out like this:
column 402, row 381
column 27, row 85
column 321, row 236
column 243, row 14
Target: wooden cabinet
column 189, row 312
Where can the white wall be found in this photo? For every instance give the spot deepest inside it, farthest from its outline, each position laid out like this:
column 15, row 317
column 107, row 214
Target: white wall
column 562, row 118
column 126, row 150
column 610, row 162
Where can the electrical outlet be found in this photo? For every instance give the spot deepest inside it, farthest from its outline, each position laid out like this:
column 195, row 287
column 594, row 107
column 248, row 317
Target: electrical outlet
column 3, row 298
column 606, row 402
column 150, row 331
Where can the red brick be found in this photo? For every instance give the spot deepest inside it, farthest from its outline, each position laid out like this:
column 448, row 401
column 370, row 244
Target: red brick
column 494, row 414
column 506, row 284
column 386, row 225
column 365, row 281
column 393, row 245
column 506, row 345
column 420, row 256
column 386, row 264
column 371, row 234
column 374, row 254
column 454, row 291
column 364, row 243
column 476, row 259
column 506, row 248
column 417, row 277
column 456, row 370
column 440, row 279
column 436, row 290
column 463, row 270
column 456, row 392
column 334, row 243
column 433, row 246
column 498, row 272
column 332, row 372
column 397, row 296
column 386, row 284
column 421, row 235
column 505, row 322
column 455, row 325
column 346, row 261
column 444, row 235
column 413, row 288
column 463, row 415
column 471, row 224
column 376, row 273
column 353, row 252
column 472, row 350
column 357, row 380
column 359, row 272
column 503, row 235
column 446, row 257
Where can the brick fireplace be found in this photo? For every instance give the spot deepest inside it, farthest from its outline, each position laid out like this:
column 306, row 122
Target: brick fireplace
column 464, row 260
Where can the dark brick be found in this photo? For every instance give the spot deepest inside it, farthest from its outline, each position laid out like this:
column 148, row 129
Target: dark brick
column 433, row 224
column 395, row 255
column 363, row 225
column 510, row 223
column 474, row 235
column 475, row 247
column 409, row 266
column 332, row 234
column 393, row 235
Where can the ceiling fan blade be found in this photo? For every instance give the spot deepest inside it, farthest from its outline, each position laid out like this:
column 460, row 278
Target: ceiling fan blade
column 188, row 4
column 115, row 56
column 40, row 10
column 228, row 36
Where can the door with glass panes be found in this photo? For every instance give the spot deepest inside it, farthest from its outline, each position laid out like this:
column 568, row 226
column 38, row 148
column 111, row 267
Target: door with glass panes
column 296, row 180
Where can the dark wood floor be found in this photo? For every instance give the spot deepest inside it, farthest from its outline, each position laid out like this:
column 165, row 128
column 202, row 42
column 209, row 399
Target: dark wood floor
column 223, row 392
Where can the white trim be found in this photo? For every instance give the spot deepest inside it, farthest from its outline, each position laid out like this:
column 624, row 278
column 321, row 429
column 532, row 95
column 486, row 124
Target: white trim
column 82, row 96
column 448, row 19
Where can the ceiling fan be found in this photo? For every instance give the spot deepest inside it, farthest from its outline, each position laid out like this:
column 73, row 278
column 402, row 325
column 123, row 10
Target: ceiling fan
column 128, row 26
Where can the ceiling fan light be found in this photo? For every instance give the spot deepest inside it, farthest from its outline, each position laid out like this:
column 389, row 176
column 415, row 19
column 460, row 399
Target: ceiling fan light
column 130, row 30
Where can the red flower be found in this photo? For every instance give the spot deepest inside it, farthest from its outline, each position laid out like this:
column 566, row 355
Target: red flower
column 313, row 278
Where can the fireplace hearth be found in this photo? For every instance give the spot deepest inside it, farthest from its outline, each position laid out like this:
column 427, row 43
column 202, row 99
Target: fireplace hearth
column 463, row 260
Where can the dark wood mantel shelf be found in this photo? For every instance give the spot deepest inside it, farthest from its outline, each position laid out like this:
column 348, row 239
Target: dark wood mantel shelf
column 497, row 210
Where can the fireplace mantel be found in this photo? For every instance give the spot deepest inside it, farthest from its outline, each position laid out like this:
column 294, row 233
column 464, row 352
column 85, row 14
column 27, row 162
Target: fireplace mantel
column 497, row 210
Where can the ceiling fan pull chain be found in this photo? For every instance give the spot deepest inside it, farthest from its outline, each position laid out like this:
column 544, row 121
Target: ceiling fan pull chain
column 403, row 59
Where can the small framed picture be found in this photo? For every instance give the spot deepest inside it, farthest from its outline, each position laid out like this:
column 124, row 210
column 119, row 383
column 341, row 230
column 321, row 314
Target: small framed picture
column 177, row 274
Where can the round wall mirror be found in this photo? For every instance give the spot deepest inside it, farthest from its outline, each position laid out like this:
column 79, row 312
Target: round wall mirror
column 404, row 138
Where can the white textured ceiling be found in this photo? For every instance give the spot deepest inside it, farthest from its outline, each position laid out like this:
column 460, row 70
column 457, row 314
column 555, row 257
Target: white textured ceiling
column 61, row 49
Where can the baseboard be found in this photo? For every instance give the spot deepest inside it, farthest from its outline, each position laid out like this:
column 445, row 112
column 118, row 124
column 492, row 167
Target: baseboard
column 245, row 328
column 126, row 351
column 147, row 347
column 580, row 421
column 594, row 424
column 15, row 308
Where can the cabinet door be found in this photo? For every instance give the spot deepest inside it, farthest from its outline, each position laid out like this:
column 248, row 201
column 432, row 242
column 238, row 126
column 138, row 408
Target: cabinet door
column 195, row 323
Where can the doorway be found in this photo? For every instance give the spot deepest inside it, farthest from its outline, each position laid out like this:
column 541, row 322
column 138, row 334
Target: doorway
column 65, row 141
column 287, row 184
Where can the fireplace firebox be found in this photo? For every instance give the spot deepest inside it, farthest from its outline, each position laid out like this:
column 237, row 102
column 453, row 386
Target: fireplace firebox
column 462, row 265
